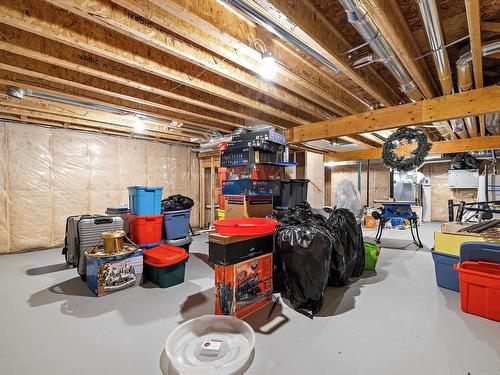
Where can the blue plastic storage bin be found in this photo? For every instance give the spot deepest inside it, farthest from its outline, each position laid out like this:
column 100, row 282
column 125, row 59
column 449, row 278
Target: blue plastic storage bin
column 446, row 276
column 480, row 252
column 145, row 200
column 176, row 224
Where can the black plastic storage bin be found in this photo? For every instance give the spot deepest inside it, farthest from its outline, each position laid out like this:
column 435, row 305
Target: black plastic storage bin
column 291, row 193
column 181, row 242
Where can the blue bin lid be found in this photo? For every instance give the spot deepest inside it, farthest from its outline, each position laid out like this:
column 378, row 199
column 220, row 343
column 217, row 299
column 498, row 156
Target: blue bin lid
column 434, row 252
column 480, row 251
column 145, row 187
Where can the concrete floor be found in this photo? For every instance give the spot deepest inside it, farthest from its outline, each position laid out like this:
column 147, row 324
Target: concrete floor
column 394, row 321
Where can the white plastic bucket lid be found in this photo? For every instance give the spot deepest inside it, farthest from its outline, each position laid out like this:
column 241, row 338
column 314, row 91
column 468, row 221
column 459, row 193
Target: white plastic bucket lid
column 211, row 344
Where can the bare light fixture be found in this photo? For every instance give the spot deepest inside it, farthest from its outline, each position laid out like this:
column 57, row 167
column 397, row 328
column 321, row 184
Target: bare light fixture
column 268, row 68
column 138, row 123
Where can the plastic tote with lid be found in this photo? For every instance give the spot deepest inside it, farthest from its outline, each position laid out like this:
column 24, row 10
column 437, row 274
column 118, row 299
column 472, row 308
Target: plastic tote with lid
column 165, row 265
column 145, row 200
column 211, row 344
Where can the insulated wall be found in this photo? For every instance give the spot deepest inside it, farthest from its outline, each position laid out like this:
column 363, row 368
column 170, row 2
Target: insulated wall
column 48, row 174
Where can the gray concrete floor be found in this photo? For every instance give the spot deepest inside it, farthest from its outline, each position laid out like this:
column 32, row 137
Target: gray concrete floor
column 392, row 321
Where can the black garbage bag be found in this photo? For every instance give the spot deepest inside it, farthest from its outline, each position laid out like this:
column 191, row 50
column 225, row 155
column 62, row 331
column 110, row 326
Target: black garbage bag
column 348, row 253
column 177, row 202
column 305, row 254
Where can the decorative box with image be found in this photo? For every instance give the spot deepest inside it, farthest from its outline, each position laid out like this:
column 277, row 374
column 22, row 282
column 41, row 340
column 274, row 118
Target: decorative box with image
column 110, row 273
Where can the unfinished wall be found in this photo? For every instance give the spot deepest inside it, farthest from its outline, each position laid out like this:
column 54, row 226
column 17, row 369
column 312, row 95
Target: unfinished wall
column 441, row 192
column 379, row 181
column 380, row 188
column 315, row 173
column 47, row 174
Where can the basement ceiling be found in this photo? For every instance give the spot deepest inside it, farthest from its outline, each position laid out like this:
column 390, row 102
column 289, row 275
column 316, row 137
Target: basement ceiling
column 189, row 70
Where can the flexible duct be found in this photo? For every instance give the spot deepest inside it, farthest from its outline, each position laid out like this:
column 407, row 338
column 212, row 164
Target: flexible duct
column 362, row 22
column 464, row 67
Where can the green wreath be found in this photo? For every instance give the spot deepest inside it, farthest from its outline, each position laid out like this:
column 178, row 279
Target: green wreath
column 416, row 157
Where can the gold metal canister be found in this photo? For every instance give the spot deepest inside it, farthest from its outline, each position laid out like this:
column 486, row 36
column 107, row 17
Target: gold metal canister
column 113, row 241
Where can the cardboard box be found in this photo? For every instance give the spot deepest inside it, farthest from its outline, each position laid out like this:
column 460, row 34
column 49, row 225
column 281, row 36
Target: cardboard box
column 242, row 288
column 236, row 206
column 113, row 273
column 225, row 250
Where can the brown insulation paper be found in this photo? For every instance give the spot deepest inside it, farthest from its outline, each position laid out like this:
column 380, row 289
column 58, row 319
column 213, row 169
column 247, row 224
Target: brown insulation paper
column 49, row 174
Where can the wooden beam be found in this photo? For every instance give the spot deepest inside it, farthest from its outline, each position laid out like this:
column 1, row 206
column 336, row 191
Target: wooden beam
column 37, row 73
column 491, row 26
column 25, row 44
column 149, row 32
column 473, row 10
column 212, row 25
column 471, row 103
column 76, row 112
column 305, row 15
column 390, row 21
column 42, row 19
column 443, row 147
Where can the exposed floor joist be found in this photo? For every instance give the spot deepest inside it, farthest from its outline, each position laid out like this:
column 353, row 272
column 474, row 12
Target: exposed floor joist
column 45, row 20
column 123, row 21
column 471, row 103
column 305, row 15
column 474, row 23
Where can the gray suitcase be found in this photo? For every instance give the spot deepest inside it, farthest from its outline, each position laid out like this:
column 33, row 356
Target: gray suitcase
column 70, row 249
column 89, row 233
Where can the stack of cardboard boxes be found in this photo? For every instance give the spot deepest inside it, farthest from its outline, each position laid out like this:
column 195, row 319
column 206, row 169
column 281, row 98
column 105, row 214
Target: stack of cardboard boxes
column 250, row 173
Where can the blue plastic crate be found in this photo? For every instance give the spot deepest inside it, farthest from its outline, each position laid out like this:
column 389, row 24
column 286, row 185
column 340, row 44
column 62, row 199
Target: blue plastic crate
column 446, row 276
column 176, row 224
column 251, row 187
column 145, row 200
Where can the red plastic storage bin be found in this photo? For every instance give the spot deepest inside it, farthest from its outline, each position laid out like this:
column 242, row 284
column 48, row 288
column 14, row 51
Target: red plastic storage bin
column 145, row 229
column 480, row 288
column 245, row 226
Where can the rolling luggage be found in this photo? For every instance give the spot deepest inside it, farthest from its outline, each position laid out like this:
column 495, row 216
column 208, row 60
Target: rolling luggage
column 83, row 232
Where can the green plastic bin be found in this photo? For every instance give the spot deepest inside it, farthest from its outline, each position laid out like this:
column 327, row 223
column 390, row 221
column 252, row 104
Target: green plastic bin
column 372, row 252
column 165, row 265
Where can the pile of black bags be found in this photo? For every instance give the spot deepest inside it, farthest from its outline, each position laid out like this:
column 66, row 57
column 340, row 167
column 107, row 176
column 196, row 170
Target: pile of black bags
column 177, row 202
column 313, row 252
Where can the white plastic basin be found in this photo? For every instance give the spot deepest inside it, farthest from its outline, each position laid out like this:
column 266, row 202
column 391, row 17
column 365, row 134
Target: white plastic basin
column 184, row 345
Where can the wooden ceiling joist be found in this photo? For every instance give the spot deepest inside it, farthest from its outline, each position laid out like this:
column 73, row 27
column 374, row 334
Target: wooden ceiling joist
column 36, row 70
column 304, row 14
column 45, row 87
column 76, row 112
column 145, row 31
column 389, row 20
column 471, row 103
column 33, row 46
column 474, row 24
column 442, row 147
column 491, row 26
column 208, row 23
column 45, row 20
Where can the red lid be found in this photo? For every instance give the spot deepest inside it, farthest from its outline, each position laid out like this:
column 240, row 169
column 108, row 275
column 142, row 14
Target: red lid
column 164, row 255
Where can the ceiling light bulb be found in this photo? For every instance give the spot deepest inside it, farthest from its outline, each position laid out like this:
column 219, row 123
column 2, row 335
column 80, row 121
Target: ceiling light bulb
column 268, row 68
column 139, row 126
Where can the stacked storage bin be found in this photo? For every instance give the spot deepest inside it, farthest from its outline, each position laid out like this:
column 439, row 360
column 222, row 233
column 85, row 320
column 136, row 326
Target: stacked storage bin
column 252, row 173
column 145, row 218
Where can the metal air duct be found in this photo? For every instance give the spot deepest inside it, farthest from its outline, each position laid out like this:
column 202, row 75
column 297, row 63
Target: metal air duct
column 362, row 22
column 464, row 76
column 273, row 27
column 432, row 26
